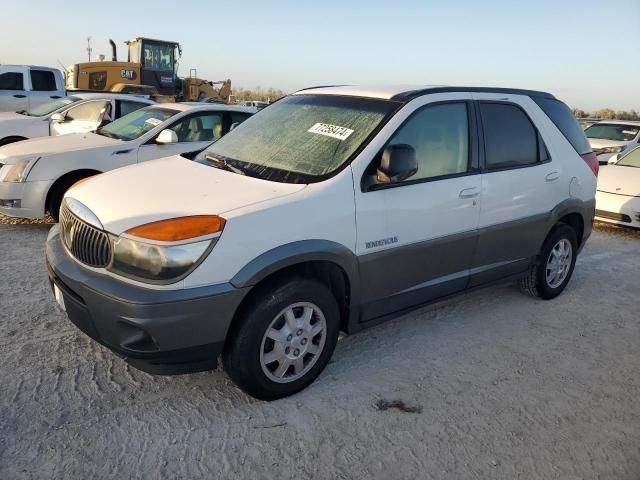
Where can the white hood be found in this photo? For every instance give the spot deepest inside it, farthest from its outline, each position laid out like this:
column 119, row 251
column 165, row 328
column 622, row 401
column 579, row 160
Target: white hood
column 619, row 179
column 13, row 116
column 51, row 145
column 170, row 187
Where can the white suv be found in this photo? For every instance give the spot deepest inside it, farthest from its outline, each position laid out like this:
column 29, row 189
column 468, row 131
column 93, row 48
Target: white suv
column 333, row 209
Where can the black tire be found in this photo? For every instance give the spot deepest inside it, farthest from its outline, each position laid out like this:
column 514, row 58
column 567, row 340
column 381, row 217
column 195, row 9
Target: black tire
column 241, row 357
column 535, row 283
column 57, row 193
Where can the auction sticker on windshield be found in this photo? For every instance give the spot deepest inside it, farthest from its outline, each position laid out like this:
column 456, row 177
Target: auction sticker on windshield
column 153, row 121
column 334, row 131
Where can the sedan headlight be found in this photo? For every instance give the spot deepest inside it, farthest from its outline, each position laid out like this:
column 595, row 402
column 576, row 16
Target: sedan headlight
column 19, row 171
column 165, row 251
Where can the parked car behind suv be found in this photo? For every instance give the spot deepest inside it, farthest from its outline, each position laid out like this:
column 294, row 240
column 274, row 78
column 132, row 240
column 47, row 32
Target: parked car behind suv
column 618, row 195
column 35, row 174
column 26, row 86
column 612, row 136
column 83, row 112
column 333, row 209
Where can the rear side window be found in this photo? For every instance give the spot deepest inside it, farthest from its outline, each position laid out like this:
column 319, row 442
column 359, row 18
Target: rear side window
column 126, row 107
column 43, row 81
column 563, row 118
column 11, row 81
column 510, row 139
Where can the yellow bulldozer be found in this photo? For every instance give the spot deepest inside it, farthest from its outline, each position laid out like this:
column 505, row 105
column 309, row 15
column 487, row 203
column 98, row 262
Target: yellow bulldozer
column 151, row 68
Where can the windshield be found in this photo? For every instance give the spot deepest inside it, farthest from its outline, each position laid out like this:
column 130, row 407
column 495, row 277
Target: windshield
column 632, row 159
column 611, row 131
column 137, row 123
column 47, row 108
column 301, row 138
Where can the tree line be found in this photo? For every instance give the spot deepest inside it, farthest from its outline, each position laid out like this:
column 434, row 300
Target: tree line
column 608, row 113
column 258, row 94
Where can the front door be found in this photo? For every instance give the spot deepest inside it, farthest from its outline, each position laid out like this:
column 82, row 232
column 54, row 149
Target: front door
column 416, row 239
column 13, row 96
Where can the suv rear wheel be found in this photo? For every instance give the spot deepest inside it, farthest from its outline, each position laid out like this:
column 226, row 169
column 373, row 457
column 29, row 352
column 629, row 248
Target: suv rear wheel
column 285, row 340
column 549, row 277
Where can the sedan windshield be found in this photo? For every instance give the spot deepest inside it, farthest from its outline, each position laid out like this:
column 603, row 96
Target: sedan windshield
column 49, row 107
column 612, row 131
column 632, row 159
column 301, row 138
column 137, row 123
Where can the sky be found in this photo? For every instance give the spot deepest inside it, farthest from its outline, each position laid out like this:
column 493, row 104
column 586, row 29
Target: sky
column 585, row 52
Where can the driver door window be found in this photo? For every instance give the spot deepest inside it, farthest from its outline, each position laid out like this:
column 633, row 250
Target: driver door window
column 440, row 136
column 201, row 127
column 82, row 118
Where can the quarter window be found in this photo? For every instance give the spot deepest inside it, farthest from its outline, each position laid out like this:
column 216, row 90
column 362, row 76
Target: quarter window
column 440, row 136
column 11, row 81
column 510, row 139
column 43, row 81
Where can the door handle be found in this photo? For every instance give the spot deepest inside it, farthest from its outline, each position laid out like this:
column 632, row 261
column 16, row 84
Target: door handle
column 121, row 152
column 552, row 177
column 19, row 95
column 469, row 192
column 55, row 96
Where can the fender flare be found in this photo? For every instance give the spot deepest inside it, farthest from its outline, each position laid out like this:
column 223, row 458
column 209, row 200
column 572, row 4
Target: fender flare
column 299, row 252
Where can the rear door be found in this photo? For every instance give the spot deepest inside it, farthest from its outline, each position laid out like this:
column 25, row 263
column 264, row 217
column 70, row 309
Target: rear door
column 521, row 184
column 43, row 87
column 85, row 117
column 195, row 131
column 13, row 90
column 416, row 239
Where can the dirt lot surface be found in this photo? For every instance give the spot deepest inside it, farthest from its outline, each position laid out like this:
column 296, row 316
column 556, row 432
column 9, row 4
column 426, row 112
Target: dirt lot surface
column 490, row 385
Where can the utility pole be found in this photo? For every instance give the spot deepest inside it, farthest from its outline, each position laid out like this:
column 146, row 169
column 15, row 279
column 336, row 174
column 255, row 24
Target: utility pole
column 89, row 48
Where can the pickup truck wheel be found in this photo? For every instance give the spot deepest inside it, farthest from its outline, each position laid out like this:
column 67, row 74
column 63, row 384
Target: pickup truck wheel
column 284, row 340
column 551, row 274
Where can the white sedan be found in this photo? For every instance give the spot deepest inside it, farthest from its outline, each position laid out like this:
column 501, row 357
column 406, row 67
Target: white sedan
column 618, row 195
column 35, row 174
column 82, row 112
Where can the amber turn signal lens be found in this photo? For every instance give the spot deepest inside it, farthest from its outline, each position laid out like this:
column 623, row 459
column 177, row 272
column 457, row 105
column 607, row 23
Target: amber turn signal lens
column 181, row 228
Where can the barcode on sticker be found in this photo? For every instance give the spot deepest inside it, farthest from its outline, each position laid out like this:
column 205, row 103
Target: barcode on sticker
column 334, row 131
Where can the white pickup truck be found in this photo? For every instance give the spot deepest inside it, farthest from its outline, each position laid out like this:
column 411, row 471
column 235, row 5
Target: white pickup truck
column 25, row 86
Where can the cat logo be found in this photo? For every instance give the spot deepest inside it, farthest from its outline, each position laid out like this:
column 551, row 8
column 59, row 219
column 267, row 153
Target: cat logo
column 128, row 74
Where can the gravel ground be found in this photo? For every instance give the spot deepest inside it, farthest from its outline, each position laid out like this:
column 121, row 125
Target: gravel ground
column 492, row 384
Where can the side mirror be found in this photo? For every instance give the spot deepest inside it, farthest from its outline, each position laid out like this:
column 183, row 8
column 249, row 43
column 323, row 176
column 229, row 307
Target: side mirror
column 613, row 159
column 234, row 125
column 398, row 163
column 167, row 136
column 57, row 118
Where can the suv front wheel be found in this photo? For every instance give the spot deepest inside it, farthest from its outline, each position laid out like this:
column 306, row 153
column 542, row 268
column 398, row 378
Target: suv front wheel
column 551, row 274
column 284, row 339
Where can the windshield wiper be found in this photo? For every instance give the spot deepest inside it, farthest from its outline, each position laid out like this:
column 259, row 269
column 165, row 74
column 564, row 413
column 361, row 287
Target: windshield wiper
column 108, row 134
column 223, row 165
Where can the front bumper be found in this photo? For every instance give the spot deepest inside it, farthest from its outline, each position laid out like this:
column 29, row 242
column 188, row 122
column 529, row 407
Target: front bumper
column 618, row 209
column 158, row 331
column 32, row 197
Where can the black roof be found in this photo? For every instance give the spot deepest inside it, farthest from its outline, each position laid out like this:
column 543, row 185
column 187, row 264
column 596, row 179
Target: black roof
column 409, row 95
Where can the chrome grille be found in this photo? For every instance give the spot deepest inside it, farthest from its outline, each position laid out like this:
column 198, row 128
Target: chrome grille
column 85, row 242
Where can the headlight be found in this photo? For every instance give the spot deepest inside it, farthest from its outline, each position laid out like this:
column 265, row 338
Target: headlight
column 156, row 263
column 165, row 251
column 18, row 172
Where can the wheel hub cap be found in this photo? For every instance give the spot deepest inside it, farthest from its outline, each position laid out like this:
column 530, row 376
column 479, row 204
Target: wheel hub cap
column 559, row 263
column 293, row 342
